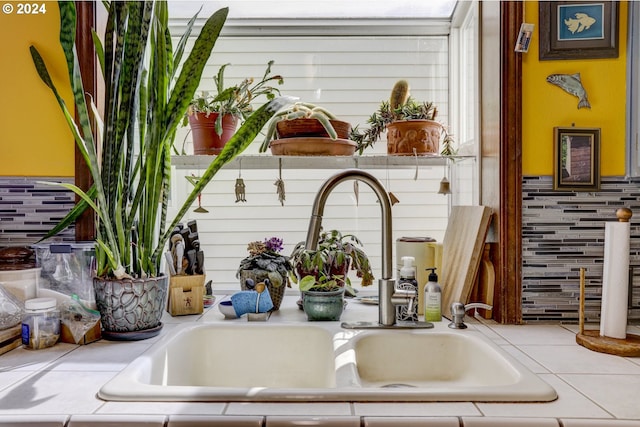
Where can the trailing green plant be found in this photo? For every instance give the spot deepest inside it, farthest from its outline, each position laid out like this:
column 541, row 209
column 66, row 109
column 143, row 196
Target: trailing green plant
column 335, row 255
column 235, row 100
column 266, row 256
column 400, row 106
column 300, row 110
column 145, row 100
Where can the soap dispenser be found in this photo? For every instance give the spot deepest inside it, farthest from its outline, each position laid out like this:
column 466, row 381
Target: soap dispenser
column 432, row 298
column 407, row 281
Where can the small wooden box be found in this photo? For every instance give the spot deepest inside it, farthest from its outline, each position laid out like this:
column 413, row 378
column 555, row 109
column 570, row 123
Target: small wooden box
column 10, row 338
column 186, row 295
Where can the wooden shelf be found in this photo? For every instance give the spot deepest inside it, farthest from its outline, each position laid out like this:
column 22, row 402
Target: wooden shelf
column 267, row 161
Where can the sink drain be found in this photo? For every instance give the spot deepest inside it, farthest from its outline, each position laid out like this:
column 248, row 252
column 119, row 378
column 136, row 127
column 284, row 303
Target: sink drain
column 398, row 385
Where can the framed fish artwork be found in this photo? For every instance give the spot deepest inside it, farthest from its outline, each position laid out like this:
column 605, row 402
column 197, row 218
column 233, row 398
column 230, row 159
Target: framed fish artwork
column 578, row 29
column 576, row 159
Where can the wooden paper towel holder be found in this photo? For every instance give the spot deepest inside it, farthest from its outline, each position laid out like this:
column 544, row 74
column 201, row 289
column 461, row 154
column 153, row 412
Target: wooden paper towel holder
column 591, row 339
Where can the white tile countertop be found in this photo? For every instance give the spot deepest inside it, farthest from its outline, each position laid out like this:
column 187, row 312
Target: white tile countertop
column 57, row 386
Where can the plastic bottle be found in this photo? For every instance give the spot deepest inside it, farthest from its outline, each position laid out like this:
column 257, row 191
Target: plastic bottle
column 432, row 298
column 407, row 281
column 40, row 323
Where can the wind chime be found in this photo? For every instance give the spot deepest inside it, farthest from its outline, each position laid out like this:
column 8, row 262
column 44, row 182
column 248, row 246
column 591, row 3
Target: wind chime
column 240, row 187
column 280, row 184
column 194, row 180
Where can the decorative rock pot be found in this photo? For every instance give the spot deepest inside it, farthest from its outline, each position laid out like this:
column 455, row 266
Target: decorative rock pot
column 131, row 309
column 405, row 136
column 203, row 128
column 323, row 305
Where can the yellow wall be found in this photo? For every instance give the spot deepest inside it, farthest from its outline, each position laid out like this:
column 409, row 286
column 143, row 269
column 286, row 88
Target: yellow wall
column 546, row 106
column 34, row 138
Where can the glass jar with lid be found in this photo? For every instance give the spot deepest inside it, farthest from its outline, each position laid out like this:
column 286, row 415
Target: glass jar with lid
column 40, row 323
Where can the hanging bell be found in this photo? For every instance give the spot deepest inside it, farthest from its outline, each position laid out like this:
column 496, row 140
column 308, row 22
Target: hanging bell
column 445, row 186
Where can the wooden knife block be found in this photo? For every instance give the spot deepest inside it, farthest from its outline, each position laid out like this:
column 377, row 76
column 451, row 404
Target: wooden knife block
column 186, row 295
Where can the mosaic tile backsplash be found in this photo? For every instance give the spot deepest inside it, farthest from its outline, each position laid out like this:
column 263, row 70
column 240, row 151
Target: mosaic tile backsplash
column 563, row 231
column 29, row 209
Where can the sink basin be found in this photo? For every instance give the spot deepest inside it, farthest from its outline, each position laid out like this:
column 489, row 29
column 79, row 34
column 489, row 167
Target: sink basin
column 451, row 360
column 451, row 365
column 210, row 361
column 313, row 362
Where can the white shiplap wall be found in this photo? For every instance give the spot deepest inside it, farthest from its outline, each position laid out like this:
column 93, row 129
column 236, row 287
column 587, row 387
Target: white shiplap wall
column 349, row 75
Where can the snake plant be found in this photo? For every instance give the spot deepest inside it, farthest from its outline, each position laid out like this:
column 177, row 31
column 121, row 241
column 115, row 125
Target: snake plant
column 148, row 88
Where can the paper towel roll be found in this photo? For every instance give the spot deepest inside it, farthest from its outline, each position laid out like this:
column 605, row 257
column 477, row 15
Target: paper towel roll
column 615, row 280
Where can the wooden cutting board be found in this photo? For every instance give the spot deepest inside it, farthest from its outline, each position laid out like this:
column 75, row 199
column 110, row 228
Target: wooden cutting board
column 462, row 248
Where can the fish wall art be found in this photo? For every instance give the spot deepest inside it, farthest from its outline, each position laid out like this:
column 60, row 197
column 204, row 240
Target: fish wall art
column 572, row 84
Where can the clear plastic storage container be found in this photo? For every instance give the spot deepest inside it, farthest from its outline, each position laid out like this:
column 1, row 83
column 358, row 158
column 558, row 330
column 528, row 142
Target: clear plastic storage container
column 40, row 323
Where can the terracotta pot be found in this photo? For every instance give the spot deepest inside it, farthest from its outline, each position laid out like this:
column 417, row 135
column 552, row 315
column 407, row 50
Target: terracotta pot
column 406, row 135
column 310, row 127
column 205, row 138
column 312, row 146
column 131, row 309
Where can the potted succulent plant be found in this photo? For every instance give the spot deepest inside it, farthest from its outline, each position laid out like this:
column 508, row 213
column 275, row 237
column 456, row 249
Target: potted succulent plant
column 265, row 264
column 410, row 125
column 322, row 274
column 304, row 129
column 131, row 178
column 214, row 118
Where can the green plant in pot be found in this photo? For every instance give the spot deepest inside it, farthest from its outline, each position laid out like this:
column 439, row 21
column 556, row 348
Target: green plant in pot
column 266, row 264
column 307, row 129
column 213, row 118
column 410, row 125
column 148, row 88
column 327, row 267
column 322, row 296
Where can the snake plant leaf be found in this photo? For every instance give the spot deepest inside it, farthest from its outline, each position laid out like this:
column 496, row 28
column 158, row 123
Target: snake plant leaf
column 191, row 73
column 177, row 57
column 236, row 145
column 72, row 216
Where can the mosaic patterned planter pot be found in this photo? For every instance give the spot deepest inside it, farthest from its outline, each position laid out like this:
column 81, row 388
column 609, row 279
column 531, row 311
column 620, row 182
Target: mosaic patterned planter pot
column 131, row 309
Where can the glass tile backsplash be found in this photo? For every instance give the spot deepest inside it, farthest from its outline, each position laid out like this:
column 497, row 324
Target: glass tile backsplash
column 563, row 231
column 28, row 209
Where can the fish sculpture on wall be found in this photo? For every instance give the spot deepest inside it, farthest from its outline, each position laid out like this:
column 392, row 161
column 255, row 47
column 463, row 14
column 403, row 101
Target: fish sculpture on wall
column 572, row 84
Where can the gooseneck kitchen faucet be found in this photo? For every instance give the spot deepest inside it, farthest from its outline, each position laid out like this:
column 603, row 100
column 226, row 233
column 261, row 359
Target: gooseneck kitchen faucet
column 388, row 295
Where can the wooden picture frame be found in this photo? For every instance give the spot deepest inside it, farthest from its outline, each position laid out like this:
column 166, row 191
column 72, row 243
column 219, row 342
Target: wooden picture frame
column 578, row 29
column 576, row 159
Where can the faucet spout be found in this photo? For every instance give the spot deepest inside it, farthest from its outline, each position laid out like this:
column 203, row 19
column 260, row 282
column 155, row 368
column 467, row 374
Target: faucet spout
column 315, row 223
column 386, row 284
